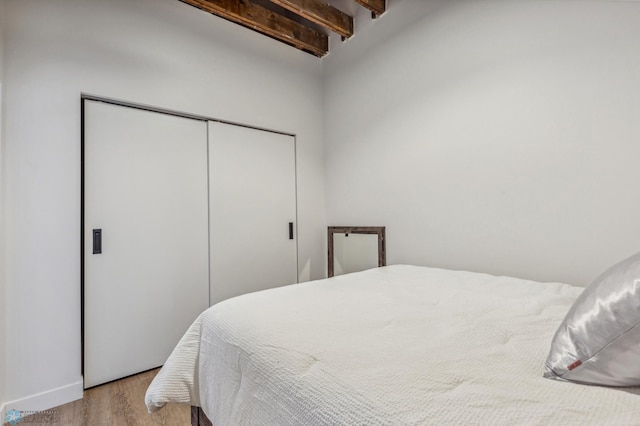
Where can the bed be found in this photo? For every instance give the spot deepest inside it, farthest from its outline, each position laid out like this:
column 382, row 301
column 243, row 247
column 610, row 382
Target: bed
column 397, row 345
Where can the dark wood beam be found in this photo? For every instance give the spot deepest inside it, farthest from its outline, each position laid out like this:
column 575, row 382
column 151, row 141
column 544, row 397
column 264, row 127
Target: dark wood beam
column 375, row 6
column 321, row 13
column 258, row 18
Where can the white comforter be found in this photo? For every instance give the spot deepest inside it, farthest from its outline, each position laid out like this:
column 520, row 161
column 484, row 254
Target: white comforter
column 390, row 346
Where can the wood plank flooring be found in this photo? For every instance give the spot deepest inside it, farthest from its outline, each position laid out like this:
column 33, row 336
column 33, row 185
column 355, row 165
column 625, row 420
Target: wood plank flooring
column 117, row 403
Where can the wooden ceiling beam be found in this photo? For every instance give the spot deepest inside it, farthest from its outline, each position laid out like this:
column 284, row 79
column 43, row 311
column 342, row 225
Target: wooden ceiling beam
column 321, row 13
column 375, row 6
column 258, row 18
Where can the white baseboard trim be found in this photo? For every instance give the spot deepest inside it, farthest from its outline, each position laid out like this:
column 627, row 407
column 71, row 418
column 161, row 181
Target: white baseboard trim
column 45, row 400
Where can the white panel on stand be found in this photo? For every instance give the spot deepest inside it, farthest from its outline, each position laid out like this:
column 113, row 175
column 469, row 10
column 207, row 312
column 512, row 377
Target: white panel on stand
column 252, row 184
column 354, row 252
column 146, row 188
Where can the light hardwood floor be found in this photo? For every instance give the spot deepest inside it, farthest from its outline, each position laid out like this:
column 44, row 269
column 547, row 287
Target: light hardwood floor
column 116, row 403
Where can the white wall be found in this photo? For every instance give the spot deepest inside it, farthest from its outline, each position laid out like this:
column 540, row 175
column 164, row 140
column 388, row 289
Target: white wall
column 156, row 52
column 494, row 136
column 3, row 308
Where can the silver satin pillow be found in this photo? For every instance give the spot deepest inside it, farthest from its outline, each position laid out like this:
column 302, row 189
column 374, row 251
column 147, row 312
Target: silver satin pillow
column 598, row 342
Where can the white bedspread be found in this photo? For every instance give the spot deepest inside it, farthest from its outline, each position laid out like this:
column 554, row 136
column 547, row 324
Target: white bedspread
column 389, row 346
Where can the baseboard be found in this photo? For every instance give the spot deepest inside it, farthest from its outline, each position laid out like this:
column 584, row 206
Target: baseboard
column 45, row 400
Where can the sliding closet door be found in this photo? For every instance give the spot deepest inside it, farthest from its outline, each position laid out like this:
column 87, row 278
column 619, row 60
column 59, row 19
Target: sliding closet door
column 145, row 236
column 253, row 209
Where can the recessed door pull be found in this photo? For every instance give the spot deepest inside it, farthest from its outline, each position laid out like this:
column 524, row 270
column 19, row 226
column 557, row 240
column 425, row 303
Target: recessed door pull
column 291, row 230
column 97, row 241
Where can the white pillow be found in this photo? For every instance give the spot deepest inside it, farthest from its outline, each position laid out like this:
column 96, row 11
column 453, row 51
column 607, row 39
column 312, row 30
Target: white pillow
column 598, row 341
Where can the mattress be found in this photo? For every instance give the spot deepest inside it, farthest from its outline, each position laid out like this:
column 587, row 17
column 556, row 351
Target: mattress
column 397, row 345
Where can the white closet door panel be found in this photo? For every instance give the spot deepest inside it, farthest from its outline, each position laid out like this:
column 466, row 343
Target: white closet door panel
column 252, row 200
column 146, row 188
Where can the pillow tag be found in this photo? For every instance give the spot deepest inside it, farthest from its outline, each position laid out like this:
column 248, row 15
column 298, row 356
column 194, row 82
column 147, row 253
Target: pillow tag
column 574, row 365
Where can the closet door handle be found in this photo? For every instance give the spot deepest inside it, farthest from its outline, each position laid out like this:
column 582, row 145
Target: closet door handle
column 97, row 241
column 291, row 230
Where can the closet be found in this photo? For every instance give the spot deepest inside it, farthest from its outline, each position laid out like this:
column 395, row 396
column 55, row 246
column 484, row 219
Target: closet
column 178, row 213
